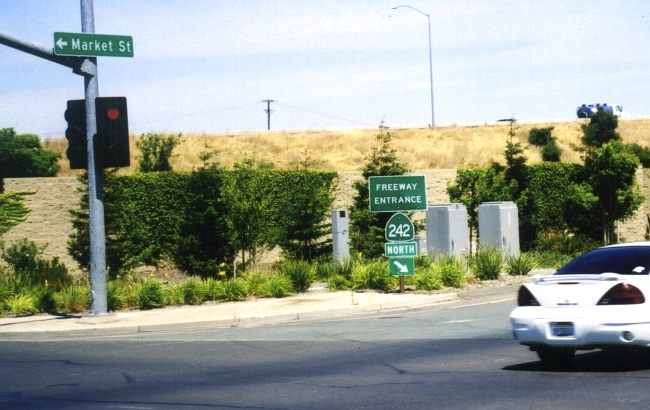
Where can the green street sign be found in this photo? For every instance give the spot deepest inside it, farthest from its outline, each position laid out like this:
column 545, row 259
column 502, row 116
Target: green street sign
column 399, row 228
column 92, row 45
column 401, row 266
column 401, row 249
column 397, row 193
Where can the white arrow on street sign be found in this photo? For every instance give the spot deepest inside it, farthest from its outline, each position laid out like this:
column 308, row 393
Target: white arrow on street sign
column 402, row 268
column 60, row 43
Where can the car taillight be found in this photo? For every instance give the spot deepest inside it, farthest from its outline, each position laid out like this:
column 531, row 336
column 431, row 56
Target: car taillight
column 622, row 294
column 526, row 298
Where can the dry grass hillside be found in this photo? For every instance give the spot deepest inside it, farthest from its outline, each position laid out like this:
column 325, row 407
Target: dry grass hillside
column 442, row 148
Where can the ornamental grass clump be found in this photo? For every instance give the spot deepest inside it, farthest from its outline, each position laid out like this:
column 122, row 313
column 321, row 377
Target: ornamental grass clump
column 72, row 299
column 277, row 286
column 521, row 264
column 149, row 295
column 451, row 272
column 373, row 275
column 301, row 273
column 427, row 278
column 487, row 264
column 234, row 289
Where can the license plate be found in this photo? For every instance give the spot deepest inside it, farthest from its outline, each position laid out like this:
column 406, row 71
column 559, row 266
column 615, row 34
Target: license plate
column 562, row 329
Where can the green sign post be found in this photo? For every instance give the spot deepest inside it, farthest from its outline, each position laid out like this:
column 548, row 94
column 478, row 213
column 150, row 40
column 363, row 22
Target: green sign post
column 397, row 193
column 92, row 45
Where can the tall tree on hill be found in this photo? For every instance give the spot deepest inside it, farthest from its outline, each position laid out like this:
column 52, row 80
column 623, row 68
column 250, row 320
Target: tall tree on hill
column 367, row 233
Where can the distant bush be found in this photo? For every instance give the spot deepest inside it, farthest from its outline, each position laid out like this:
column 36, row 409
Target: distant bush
column 540, row 136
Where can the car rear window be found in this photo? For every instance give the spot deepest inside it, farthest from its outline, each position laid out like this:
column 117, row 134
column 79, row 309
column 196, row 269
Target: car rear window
column 624, row 260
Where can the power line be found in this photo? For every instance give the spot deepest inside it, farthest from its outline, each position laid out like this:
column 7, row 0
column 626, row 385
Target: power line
column 314, row 112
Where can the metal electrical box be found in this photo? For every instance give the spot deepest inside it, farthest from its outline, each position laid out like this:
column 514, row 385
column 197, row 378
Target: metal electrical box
column 341, row 234
column 498, row 226
column 447, row 230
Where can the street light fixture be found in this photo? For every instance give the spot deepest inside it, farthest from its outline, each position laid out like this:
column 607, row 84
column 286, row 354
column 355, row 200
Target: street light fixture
column 433, row 122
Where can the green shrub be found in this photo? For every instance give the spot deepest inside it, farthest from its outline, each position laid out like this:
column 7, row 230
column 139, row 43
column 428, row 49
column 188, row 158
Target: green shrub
column 173, row 295
column 192, row 292
column 72, row 299
column 550, row 260
column 277, row 286
column 116, row 295
column 212, row 288
column 428, row 278
column 256, row 280
column 301, row 273
column 234, row 290
column 521, row 264
column 22, row 304
column 373, row 275
column 148, row 295
column 487, row 264
column 24, row 257
column 337, row 282
column 43, row 297
column 451, row 272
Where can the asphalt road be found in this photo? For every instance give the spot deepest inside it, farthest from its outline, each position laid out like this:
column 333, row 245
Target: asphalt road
column 450, row 356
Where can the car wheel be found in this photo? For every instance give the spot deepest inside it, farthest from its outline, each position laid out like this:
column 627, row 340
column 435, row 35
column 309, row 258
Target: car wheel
column 556, row 356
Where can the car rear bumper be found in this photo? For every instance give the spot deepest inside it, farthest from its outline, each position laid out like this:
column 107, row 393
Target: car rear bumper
column 588, row 331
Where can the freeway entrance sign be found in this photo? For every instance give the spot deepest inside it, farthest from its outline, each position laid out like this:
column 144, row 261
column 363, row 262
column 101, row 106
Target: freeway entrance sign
column 397, row 193
column 92, row 45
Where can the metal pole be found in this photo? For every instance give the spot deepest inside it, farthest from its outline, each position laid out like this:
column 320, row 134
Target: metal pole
column 99, row 303
column 433, row 120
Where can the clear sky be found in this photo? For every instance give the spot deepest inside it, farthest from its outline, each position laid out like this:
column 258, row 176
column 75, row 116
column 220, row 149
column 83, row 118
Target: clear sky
column 206, row 65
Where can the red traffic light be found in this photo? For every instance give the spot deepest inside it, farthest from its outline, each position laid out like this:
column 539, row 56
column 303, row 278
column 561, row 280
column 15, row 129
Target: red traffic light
column 112, row 113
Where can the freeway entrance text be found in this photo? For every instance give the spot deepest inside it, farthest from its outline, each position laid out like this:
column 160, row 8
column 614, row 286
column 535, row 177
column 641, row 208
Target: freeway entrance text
column 397, row 193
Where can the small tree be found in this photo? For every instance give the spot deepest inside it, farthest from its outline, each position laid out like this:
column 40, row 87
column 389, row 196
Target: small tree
column 472, row 187
column 248, row 208
column 367, row 234
column 156, row 151
column 610, row 171
column 600, row 130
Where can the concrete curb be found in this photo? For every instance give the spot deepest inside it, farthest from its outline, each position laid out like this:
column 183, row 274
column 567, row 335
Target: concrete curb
column 310, row 306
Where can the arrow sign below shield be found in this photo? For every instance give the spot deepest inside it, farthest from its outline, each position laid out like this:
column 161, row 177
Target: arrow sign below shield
column 402, row 268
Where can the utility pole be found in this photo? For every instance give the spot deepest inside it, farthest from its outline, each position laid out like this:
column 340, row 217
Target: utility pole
column 268, row 113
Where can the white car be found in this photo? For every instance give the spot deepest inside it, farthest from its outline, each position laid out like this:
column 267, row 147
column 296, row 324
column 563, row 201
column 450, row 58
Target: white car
column 596, row 301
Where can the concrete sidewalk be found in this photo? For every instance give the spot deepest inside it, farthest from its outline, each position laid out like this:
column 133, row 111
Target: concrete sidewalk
column 316, row 304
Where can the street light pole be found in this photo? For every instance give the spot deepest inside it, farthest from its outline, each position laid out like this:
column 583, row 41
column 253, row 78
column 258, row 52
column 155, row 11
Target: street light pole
column 433, row 121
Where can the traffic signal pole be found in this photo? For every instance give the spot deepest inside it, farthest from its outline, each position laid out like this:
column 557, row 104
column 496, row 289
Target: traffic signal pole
column 99, row 304
column 87, row 67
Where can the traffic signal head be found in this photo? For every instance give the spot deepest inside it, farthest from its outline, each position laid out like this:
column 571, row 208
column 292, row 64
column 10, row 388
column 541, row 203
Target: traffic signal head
column 75, row 115
column 112, row 131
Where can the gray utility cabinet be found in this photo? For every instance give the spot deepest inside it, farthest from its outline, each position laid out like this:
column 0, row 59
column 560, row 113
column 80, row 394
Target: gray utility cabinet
column 341, row 234
column 447, row 230
column 498, row 226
